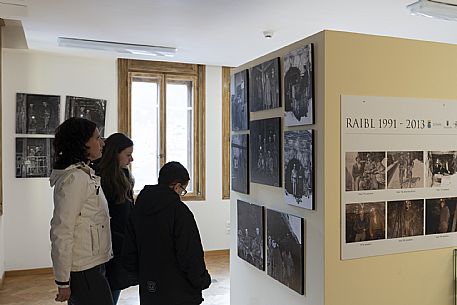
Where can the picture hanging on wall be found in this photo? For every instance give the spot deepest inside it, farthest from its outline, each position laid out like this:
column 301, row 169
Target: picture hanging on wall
column 405, row 218
column 299, row 87
column 264, row 86
column 34, row 157
column 285, row 250
column 298, row 168
column 250, row 234
column 240, row 168
column 365, row 171
column 37, row 113
column 440, row 215
column 239, row 101
column 365, row 221
column 265, row 151
column 87, row 108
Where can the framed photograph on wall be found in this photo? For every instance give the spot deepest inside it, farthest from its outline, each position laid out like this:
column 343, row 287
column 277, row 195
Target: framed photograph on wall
column 265, row 151
column 240, row 163
column 298, row 168
column 37, row 113
column 34, row 157
column 239, row 101
column 250, row 234
column 87, row 108
column 299, row 87
column 264, row 86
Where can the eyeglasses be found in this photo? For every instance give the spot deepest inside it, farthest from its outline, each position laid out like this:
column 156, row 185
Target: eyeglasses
column 183, row 190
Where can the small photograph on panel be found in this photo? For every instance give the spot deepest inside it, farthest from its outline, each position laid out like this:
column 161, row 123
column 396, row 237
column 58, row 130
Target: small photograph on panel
column 298, row 86
column 441, row 169
column 34, row 157
column 440, row 216
column 365, row 221
column 240, row 168
column 239, row 101
column 405, row 218
column 365, row 171
column 265, row 151
column 87, row 108
column 37, row 113
column 285, row 250
column 405, row 169
column 250, row 234
column 298, row 168
column 264, row 86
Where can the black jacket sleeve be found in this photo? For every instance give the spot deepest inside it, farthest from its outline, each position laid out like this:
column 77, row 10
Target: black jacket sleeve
column 129, row 256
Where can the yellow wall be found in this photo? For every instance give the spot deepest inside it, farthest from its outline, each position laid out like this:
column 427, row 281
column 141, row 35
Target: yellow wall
column 381, row 66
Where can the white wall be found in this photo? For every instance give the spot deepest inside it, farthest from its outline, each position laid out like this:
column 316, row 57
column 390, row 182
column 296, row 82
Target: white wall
column 28, row 202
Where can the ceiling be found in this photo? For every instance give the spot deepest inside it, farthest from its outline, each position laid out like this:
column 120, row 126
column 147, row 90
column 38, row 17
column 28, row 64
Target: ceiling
column 214, row 32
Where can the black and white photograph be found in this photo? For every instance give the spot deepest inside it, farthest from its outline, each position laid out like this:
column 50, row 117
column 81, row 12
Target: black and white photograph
column 365, row 171
column 239, row 101
column 34, row 157
column 440, row 216
column 285, row 250
column 298, row 168
column 405, row 169
column 441, row 169
column 365, row 221
column 240, row 166
column 298, row 86
column 405, row 218
column 264, row 86
column 87, row 108
column 250, row 234
column 37, row 113
column 265, row 151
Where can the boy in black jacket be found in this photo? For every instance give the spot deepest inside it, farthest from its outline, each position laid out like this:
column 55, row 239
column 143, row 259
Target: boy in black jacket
column 162, row 243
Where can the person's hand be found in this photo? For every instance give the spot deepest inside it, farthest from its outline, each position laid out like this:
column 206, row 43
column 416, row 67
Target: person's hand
column 63, row 294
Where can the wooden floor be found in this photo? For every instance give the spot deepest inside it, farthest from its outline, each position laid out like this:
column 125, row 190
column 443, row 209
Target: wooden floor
column 40, row 289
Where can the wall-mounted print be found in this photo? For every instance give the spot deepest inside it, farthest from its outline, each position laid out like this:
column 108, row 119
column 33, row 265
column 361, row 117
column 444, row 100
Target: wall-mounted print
column 441, row 169
column 298, row 168
column 87, row 108
column 285, row 250
column 34, row 157
column 440, row 215
column 265, row 151
column 37, row 113
column 298, row 86
column 365, row 171
column 405, row 218
column 239, row 101
column 251, row 234
column 240, row 163
column 405, row 169
column 365, row 221
column 264, row 86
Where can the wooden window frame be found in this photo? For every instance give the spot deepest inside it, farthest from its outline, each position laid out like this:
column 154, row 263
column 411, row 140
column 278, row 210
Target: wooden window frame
column 128, row 68
column 226, row 133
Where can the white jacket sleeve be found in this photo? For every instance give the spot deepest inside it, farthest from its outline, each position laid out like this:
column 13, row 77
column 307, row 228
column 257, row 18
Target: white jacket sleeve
column 68, row 203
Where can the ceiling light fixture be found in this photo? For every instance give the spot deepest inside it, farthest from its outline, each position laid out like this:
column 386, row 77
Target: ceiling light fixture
column 118, row 47
column 444, row 9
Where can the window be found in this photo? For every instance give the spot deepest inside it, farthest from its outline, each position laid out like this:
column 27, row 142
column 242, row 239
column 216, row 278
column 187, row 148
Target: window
column 161, row 106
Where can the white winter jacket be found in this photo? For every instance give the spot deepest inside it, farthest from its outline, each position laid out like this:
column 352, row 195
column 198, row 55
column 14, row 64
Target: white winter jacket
column 80, row 225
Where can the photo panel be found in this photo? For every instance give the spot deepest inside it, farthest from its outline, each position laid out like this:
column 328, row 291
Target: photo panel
column 240, row 163
column 250, row 234
column 264, row 86
column 405, row 218
column 440, row 215
column 365, row 221
column 87, row 108
column 299, row 87
column 265, row 151
column 405, row 169
column 441, row 169
column 285, row 249
column 34, row 157
column 365, row 171
column 239, row 101
column 298, row 168
column 37, row 113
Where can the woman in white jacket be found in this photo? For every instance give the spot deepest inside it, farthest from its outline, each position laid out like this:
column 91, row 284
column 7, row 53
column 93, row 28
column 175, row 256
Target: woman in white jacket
column 80, row 226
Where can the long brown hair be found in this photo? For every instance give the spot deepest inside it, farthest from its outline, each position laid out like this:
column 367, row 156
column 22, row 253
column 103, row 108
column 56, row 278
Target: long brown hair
column 116, row 183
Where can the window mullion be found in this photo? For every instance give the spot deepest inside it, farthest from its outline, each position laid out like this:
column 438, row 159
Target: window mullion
column 163, row 120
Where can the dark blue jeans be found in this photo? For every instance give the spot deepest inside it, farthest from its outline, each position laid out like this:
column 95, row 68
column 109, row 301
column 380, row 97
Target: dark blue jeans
column 90, row 287
column 116, row 294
